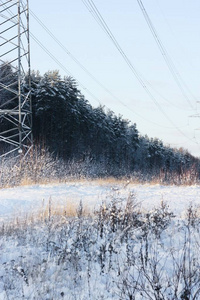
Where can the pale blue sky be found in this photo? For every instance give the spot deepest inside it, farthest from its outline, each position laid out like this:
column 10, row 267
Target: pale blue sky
column 178, row 25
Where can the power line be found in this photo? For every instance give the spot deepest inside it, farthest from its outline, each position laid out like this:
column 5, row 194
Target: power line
column 176, row 75
column 84, row 68
column 98, row 17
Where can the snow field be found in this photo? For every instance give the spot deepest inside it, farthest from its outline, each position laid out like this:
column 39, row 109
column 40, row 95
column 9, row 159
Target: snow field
column 27, row 200
column 135, row 245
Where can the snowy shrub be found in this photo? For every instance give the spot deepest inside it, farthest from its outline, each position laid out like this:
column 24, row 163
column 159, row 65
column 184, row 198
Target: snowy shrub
column 37, row 166
column 159, row 219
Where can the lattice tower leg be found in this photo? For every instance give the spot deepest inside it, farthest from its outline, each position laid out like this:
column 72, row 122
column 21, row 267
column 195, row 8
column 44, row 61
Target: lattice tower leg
column 15, row 78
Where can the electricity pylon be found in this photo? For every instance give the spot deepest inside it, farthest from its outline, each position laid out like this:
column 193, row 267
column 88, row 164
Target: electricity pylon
column 15, row 78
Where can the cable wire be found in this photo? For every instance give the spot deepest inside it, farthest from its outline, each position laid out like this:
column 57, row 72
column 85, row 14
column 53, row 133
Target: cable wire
column 95, row 12
column 176, row 75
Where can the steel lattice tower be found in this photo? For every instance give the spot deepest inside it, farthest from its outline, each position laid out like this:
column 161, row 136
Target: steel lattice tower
column 15, row 78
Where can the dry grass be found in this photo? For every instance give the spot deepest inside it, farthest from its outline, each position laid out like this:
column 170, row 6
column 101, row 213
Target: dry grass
column 45, row 213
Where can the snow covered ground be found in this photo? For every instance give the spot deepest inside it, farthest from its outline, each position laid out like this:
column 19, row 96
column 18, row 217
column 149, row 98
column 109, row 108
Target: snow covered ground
column 115, row 254
column 23, row 200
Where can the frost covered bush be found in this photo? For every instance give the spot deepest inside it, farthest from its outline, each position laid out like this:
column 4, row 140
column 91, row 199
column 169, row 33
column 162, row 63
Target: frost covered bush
column 158, row 220
column 114, row 253
column 37, row 166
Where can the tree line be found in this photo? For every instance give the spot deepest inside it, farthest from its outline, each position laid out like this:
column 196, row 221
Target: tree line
column 66, row 123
